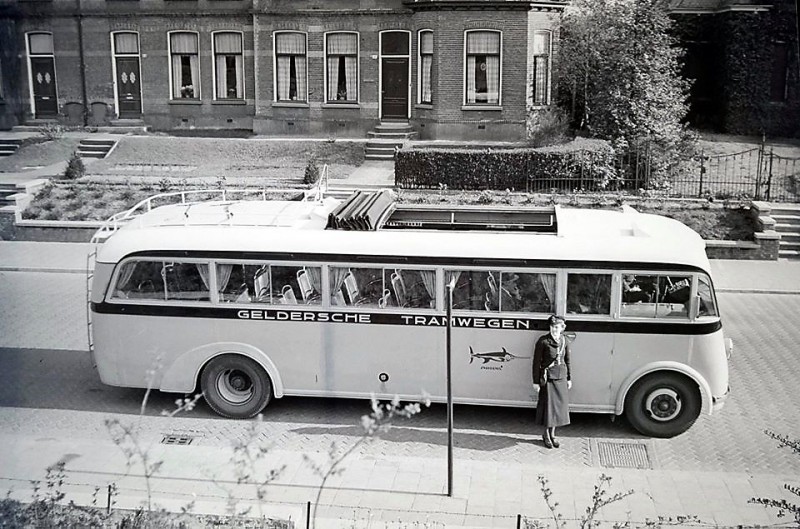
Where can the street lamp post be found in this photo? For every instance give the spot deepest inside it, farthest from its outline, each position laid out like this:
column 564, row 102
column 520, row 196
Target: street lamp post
column 449, row 344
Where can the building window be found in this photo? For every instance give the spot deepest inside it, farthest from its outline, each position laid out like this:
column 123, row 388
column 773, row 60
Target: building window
column 126, row 43
column 290, row 67
column 228, row 66
column 425, row 64
column 483, row 67
column 541, row 68
column 780, row 70
column 341, row 57
column 185, row 61
column 1, row 79
column 40, row 43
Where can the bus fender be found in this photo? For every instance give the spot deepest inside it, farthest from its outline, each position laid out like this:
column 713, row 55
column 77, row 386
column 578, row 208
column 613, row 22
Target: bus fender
column 705, row 389
column 177, row 377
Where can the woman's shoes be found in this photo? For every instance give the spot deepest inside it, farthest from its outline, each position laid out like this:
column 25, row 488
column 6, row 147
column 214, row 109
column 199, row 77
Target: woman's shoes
column 547, row 442
column 555, row 443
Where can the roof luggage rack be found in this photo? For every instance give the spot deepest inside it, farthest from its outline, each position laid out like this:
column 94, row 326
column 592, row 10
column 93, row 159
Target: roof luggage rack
column 471, row 218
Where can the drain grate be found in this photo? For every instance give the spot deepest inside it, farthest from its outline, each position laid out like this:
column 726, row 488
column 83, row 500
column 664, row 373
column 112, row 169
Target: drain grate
column 177, row 439
column 624, row 455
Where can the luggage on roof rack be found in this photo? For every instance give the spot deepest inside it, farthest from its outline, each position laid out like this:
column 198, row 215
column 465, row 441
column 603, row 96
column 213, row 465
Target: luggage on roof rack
column 364, row 211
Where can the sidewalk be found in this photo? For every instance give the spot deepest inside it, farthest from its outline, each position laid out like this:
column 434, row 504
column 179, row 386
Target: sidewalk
column 736, row 276
column 384, row 490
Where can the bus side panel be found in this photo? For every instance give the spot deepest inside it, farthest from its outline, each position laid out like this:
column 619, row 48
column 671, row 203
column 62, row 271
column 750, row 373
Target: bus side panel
column 634, row 350
column 356, row 357
column 592, row 363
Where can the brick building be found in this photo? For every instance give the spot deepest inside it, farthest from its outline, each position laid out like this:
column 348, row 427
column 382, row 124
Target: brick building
column 452, row 69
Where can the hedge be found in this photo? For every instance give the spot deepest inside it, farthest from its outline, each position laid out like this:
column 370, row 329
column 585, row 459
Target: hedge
column 579, row 165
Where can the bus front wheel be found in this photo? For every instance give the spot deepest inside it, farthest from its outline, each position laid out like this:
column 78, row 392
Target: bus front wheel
column 663, row 404
column 235, row 386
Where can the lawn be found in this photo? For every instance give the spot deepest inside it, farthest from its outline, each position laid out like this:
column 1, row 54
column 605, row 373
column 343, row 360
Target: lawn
column 36, row 152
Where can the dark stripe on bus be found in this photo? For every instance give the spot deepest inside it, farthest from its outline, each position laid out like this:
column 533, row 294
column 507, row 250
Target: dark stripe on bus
column 473, row 321
column 418, row 260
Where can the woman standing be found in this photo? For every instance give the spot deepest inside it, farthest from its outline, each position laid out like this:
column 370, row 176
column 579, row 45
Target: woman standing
column 552, row 379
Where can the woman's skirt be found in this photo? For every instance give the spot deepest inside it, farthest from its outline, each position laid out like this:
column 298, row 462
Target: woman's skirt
column 553, row 407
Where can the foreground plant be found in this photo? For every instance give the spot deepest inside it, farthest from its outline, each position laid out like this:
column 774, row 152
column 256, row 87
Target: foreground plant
column 784, row 507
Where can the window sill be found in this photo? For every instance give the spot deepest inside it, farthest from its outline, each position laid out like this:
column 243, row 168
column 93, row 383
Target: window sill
column 543, row 106
column 291, row 104
column 481, row 107
column 229, row 102
column 354, row 106
column 424, row 106
column 185, row 102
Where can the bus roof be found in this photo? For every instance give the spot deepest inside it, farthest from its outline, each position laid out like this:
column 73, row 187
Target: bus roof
column 299, row 227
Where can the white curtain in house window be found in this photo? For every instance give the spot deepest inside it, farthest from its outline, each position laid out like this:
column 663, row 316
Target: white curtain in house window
column 126, row 43
column 493, row 79
column 41, row 43
column 185, row 66
column 342, row 58
column 290, row 51
column 483, row 43
column 228, row 50
column 471, row 79
column 483, row 51
column 426, row 65
column 541, row 74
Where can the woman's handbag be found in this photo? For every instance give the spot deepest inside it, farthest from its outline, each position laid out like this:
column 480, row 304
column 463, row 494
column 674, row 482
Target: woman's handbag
column 556, row 372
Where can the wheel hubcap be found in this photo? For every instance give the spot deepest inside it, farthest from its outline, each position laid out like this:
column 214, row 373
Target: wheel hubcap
column 235, row 386
column 663, row 404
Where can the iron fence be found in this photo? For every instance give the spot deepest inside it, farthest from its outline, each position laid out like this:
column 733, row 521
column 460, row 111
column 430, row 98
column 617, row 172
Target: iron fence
column 752, row 174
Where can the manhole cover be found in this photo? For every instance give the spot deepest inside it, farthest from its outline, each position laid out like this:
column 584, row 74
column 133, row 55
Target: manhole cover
column 624, row 455
column 177, row 439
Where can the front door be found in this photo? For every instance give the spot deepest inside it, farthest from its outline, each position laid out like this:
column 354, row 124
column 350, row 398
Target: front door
column 45, row 101
column 394, row 83
column 129, row 94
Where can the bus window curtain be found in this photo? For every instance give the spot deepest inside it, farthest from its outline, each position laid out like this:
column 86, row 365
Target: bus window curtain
column 337, row 276
column 223, row 276
column 549, row 284
column 315, row 277
column 429, row 281
column 125, row 274
column 202, row 269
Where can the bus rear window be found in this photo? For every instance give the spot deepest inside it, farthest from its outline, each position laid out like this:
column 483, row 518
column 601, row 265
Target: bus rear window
column 162, row 280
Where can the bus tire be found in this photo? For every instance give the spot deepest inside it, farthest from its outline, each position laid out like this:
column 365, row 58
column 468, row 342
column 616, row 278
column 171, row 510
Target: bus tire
column 235, row 386
column 663, row 404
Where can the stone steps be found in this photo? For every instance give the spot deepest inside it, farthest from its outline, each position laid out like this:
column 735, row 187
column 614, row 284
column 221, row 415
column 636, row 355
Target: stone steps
column 9, row 147
column 385, row 138
column 7, row 192
column 95, row 148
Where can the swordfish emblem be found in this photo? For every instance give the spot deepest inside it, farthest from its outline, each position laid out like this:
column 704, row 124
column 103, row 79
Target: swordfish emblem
column 493, row 356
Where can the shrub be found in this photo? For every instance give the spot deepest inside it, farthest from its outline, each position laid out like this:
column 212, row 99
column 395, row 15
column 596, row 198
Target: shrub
column 75, row 168
column 546, row 127
column 51, row 131
column 311, row 173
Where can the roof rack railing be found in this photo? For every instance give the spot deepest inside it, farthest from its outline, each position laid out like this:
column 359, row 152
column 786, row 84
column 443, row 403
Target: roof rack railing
column 198, row 196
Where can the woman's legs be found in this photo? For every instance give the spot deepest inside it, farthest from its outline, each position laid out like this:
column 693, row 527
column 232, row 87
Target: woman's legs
column 552, row 433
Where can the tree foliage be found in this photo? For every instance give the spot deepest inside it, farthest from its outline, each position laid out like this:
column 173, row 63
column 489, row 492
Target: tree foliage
column 619, row 72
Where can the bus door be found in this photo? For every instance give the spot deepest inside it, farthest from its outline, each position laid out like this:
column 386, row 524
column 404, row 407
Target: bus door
column 590, row 329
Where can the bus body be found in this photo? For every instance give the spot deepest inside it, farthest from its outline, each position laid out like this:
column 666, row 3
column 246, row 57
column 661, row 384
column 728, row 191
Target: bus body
column 283, row 301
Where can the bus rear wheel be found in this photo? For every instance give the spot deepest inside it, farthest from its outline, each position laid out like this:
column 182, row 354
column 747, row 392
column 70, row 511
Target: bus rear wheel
column 663, row 404
column 235, row 386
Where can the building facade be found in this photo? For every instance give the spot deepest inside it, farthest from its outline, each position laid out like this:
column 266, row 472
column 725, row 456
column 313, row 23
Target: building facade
column 451, row 69
column 464, row 69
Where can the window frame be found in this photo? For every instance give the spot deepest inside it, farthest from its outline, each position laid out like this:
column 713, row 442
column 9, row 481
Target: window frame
column 774, row 73
column 614, row 297
column 555, row 272
column 549, row 75
column 275, row 97
column 199, row 96
column 419, row 66
column 110, row 294
column 327, row 100
column 115, row 54
column 658, row 274
column 215, row 95
column 465, row 98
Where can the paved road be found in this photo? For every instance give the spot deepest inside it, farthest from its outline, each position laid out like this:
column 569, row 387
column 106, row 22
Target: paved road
column 55, row 372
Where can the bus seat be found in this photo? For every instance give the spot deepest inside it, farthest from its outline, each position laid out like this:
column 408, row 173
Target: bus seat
column 305, row 284
column 351, row 287
column 492, row 284
column 399, row 288
column 287, row 296
column 384, row 298
column 261, row 283
column 338, row 299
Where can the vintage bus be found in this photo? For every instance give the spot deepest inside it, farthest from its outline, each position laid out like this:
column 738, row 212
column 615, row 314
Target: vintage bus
column 249, row 300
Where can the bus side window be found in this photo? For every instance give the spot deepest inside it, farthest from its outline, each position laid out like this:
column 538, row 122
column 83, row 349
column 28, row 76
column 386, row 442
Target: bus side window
column 140, row 280
column 706, row 307
column 473, row 290
column 296, row 285
column 589, row 293
column 410, row 288
column 527, row 292
column 186, row 281
column 674, row 293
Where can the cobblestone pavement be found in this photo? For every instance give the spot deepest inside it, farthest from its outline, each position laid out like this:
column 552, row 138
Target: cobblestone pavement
column 54, row 371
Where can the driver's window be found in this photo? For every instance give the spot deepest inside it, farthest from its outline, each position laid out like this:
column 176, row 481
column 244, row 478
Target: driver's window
column 705, row 295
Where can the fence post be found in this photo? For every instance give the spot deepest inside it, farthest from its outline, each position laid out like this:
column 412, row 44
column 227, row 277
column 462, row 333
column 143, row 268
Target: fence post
column 702, row 172
column 519, row 521
column 308, row 515
column 769, row 174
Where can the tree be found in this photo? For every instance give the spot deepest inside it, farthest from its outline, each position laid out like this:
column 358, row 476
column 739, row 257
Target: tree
column 619, row 72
